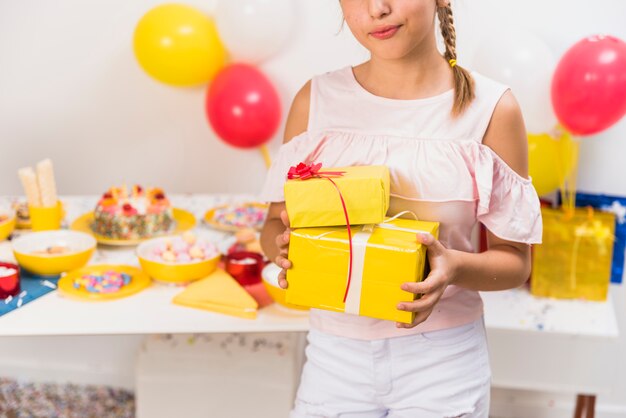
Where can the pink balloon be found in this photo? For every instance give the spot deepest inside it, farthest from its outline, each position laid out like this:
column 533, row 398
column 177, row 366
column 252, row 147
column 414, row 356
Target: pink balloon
column 589, row 85
column 242, row 106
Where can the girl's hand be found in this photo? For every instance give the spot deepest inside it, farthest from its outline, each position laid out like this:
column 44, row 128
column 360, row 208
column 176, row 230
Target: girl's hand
column 442, row 265
column 282, row 241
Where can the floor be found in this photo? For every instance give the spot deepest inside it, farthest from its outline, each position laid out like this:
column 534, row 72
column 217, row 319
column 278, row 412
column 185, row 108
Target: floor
column 35, row 400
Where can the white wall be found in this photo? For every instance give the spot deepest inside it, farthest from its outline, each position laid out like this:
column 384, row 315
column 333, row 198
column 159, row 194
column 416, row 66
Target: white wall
column 71, row 90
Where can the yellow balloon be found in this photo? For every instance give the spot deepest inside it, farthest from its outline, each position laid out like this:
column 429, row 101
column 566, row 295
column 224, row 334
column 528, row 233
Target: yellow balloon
column 550, row 161
column 178, row 45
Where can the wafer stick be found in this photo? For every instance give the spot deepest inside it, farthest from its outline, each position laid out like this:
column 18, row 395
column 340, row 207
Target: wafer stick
column 47, row 185
column 29, row 182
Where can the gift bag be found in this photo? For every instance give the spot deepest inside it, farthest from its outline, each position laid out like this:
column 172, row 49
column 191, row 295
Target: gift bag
column 616, row 205
column 574, row 260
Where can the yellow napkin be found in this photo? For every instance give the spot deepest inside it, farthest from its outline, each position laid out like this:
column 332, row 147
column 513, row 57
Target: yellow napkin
column 218, row 292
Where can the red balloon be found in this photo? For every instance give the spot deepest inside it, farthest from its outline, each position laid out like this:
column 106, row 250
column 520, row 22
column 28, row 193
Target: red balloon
column 242, row 106
column 589, row 85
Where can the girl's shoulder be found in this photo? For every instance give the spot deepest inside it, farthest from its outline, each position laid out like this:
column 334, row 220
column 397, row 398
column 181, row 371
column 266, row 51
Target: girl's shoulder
column 300, row 112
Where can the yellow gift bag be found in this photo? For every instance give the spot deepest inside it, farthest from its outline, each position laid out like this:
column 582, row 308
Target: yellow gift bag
column 317, row 197
column 384, row 256
column 574, row 260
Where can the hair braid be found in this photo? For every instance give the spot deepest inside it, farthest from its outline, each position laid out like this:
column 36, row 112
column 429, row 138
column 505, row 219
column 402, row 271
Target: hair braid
column 463, row 82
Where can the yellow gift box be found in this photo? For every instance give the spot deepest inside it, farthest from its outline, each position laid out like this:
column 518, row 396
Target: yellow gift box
column 574, row 259
column 316, row 202
column 384, row 256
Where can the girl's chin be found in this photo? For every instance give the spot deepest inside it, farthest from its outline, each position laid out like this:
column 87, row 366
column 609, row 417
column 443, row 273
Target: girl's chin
column 389, row 53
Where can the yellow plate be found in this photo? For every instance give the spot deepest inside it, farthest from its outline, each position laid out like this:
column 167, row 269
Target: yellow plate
column 6, row 228
column 184, row 221
column 138, row 282
column 208, row 217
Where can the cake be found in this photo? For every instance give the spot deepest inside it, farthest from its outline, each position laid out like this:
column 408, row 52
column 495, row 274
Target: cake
column 135, row 214
column 22, row 214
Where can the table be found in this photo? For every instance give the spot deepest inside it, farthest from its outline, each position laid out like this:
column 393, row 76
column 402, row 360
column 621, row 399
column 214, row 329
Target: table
column 513, row 318
column 55, row 315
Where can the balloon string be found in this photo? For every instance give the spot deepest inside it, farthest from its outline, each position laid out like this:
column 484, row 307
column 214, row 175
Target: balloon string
column 568, row 189
column 266, row 156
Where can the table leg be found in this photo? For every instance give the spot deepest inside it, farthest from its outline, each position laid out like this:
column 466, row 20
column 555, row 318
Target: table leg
column 585, row 406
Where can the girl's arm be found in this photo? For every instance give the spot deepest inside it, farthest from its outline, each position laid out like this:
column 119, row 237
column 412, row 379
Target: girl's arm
column 275, row 232
column 506, row 264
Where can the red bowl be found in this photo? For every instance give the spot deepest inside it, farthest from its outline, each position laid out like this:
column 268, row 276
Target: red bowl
column 10, row 285
column 244, row 266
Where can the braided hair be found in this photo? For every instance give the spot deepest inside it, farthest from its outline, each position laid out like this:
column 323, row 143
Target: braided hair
column 463, row 82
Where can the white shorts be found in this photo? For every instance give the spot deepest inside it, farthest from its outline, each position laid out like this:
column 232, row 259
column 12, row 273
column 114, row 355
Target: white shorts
column 436, row 374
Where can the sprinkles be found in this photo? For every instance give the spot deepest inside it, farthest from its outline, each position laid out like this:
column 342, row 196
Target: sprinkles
column 108, row 282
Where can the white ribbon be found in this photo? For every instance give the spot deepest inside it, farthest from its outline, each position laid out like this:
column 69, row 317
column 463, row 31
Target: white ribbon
column 359, row 245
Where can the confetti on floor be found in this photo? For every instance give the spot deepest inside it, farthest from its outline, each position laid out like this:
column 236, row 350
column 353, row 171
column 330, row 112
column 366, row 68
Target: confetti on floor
column 35, row 400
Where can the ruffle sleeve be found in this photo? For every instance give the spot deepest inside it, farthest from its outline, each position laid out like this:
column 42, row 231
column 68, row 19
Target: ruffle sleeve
column 508, row 204
column 287, row 156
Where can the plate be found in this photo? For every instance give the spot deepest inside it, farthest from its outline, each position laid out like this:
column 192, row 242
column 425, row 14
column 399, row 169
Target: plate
column 184, row 221
column 232, row 207
column 138, row 282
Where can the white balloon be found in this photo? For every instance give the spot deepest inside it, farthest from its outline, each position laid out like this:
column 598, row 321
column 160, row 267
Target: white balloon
column 254, row 30
column 526, row 64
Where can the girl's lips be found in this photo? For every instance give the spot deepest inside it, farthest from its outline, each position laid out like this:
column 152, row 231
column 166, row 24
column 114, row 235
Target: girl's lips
column 385, row 32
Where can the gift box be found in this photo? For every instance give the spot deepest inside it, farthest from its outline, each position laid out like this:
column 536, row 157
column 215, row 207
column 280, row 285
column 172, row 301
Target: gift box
column 314, row 196
column 384, row 256
column 574, row 259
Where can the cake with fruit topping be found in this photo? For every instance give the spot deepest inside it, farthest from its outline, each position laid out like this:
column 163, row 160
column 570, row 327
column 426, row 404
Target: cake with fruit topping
column 135, row 214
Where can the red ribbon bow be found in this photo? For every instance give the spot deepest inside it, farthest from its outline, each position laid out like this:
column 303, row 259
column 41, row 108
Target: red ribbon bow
column 305, row 171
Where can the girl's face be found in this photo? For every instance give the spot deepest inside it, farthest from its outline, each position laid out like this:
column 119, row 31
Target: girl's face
column 392, row 29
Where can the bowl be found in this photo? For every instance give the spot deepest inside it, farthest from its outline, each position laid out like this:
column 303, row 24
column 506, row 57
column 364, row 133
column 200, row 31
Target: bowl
column 9, row 281
column 53, row 252
column 244, row 266
column 270, row 281
column 7, row 225
column 176, row 272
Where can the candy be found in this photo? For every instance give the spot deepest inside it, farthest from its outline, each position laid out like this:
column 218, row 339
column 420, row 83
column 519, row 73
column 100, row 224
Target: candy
column 183, row 249
column 189, row 237
column 245, row 236
column 183, row 258
column 53, row 250
column 168, row 256
column 246, row 215
column 108, row 282
column 196, row 252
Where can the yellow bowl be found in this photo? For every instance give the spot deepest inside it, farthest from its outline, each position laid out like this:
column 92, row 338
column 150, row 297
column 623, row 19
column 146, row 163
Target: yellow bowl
column 7, row 227
column 270, row 281
column 173, row 271
column 81, row 247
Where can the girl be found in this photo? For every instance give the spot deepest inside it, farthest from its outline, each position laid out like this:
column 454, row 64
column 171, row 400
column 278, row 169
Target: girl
column 455, row 145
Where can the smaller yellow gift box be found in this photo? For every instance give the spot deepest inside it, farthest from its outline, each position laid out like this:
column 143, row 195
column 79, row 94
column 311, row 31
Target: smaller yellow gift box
column 384, row 256
column 313, row 198
column 574, row 259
